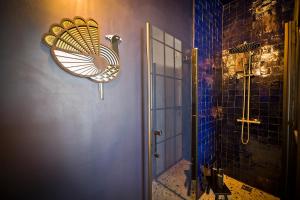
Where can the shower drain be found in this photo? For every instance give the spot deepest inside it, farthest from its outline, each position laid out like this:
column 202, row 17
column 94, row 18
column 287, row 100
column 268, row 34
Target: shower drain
column 247, row 188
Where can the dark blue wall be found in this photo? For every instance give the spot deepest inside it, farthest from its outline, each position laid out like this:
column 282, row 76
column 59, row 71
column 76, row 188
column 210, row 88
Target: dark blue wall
column 208, row 39
column 58, row 140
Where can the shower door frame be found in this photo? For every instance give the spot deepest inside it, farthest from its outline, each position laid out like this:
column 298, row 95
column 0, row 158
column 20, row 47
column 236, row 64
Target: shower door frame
column 148, row 117
column 168, row 135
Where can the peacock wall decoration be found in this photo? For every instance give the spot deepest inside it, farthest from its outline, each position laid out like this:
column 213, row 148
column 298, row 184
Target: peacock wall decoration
column 75, row 46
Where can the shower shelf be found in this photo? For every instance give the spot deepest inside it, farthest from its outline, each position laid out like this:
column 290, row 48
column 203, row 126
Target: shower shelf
column 253, row 121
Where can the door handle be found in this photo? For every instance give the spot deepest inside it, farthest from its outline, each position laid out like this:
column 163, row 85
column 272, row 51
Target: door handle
column 156, row 133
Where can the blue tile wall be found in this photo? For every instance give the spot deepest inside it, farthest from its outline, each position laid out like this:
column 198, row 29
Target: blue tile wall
column 259, row 162
column 208, row 40
column 218, row 28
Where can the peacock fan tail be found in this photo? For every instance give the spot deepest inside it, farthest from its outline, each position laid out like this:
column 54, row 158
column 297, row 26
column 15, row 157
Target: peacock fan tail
column 76, row 48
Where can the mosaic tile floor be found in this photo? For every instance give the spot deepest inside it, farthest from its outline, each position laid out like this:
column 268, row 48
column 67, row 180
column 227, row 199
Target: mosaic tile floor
column 172, row 185
column 237, row 193
column 159, row 192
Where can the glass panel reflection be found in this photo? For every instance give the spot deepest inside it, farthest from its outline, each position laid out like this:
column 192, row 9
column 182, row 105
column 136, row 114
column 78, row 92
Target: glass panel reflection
column 178, row 64
column 178, row 147
column 170, row 123
column 169, row 61
column 178, row 91
column 178, row 44
column 158, row 57
column 159, row 92
column 169, row 40
column 170, row 152
column 178, row 122
column 157, row 34
column 169, row 92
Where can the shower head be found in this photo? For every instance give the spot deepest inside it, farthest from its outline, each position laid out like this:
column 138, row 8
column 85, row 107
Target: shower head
column 245, row 47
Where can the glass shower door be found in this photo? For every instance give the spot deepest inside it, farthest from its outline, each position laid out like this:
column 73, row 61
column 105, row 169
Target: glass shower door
column 170, row 144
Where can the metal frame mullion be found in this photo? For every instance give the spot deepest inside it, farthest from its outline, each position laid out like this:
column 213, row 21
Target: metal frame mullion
column 165, row 103
column 174, row 103
column 154, row 114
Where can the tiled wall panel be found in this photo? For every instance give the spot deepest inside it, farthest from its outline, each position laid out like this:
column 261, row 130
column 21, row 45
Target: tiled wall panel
column 208, row 39
column 259, row 162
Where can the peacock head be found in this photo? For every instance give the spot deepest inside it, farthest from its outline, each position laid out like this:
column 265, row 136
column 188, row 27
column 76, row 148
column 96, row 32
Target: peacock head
column 114, row 38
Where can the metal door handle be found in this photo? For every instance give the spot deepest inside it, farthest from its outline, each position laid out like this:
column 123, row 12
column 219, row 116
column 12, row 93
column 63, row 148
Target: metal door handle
column 156, row 133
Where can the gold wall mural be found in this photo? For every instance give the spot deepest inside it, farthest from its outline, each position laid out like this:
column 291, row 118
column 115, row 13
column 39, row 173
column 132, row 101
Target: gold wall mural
column 75, row 47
